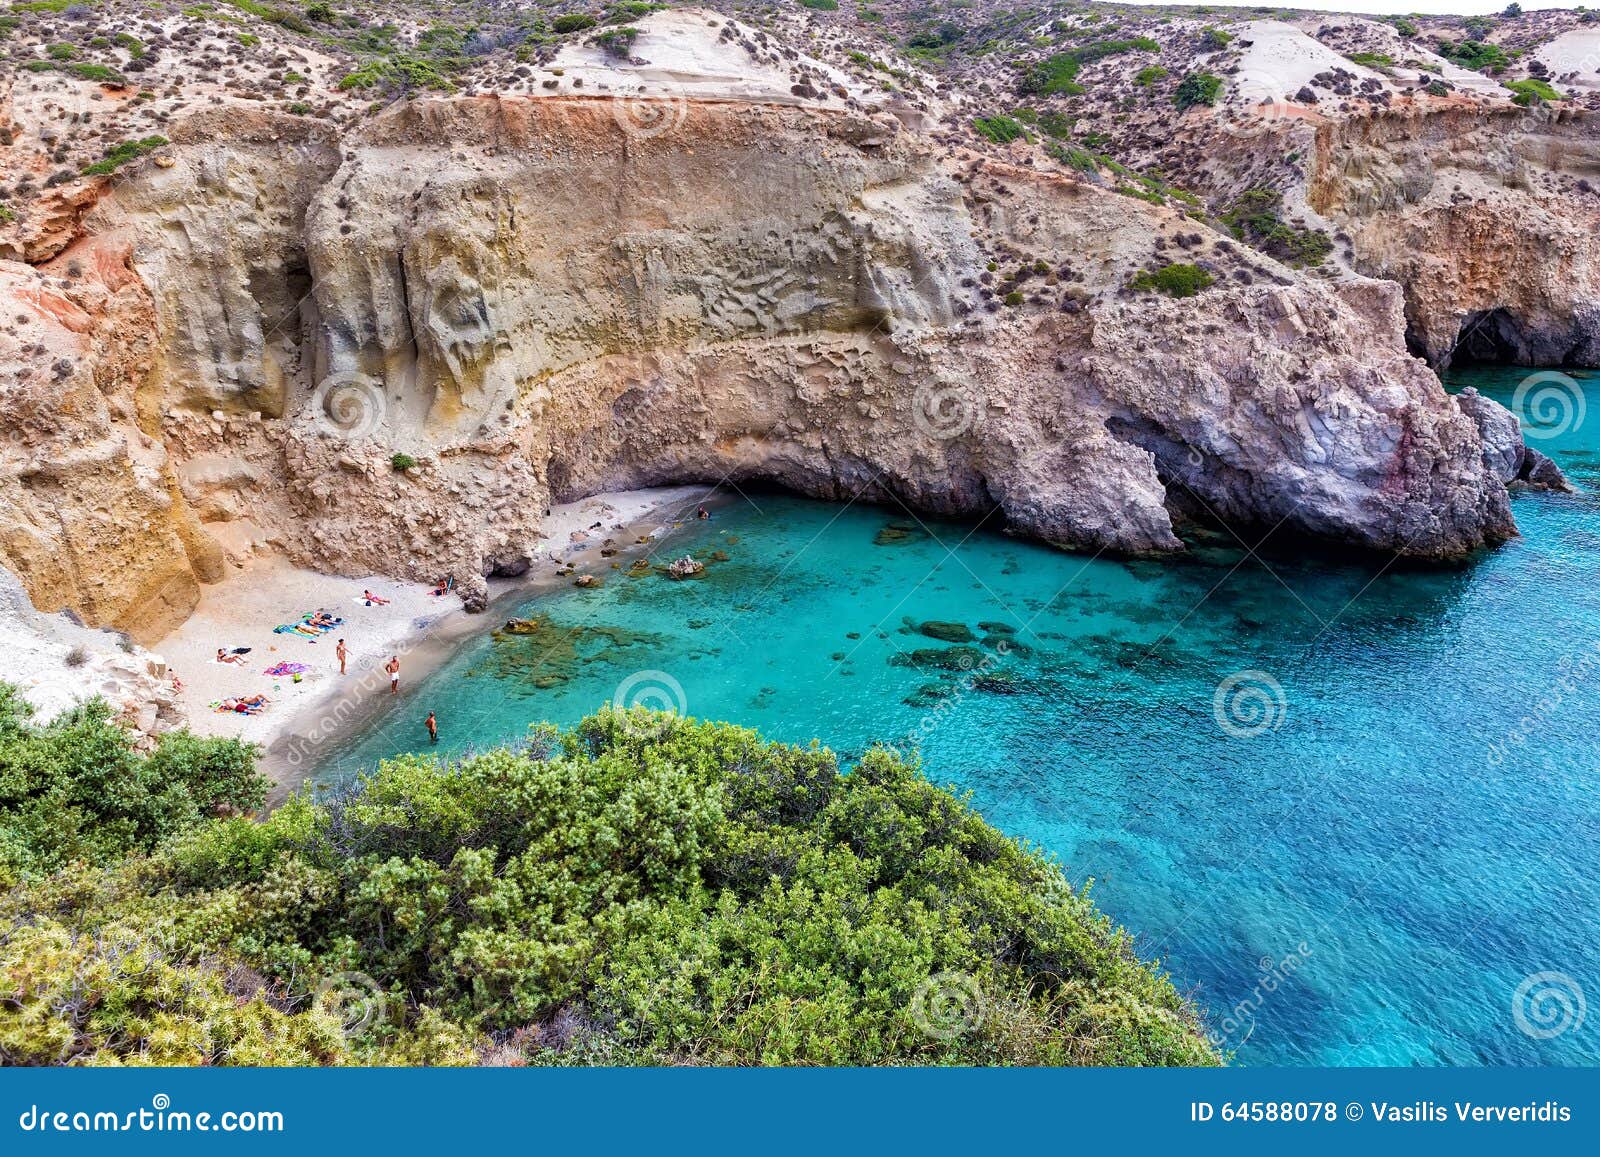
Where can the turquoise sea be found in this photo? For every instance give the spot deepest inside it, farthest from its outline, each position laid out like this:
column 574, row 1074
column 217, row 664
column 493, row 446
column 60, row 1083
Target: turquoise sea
column 1352, row 807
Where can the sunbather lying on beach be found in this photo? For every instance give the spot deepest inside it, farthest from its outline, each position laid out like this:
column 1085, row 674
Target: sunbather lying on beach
column 248, row 705
column 374, row 600
column 224, row 657
column 322, row 621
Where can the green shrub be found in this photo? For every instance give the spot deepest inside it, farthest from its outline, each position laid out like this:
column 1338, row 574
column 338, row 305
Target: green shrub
column 1001, row 129
column 1197, row 88
column 131, row 44
column 1056, row 74
column 1014, row 298
column 61, row 52
column 1173, row 280
column 671, row 892
column 320, row 13
column 398, row 74
column 617, row 42
column 573, row 22
column 631, row 10
column 7, row 214
column 1475, row 55
column 1378, row 60
column 1074, row 158
column 120, row 155
column 75, row 788
column 821, row 5
column 400, row 461
column 1149, row 75
column 1255, row 219
column 86, row 70
column 1405, row 27
column 1215, row 38
column 1533, row 90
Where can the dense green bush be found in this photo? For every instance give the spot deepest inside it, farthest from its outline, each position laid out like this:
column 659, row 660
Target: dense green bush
column 1197, row 88
column 1255, row 219
column 1533, row 90
column 1475, row 54
column 75, row 788
column 1001, row 130
column 119, row 155
column 617, row 42
column 573, row 22
column 1058, row 73
column 643, row 889
column 397, row 74
column 1174, row 280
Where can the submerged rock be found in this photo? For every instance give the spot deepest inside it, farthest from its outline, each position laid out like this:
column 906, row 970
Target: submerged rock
column 947, row 632
column 898, row 534
column 939, row 658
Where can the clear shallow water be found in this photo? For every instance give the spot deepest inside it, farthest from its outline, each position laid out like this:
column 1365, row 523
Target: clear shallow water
column 1367, row 880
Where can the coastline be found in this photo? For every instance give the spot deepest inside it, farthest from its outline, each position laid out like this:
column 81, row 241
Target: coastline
column 323, row 707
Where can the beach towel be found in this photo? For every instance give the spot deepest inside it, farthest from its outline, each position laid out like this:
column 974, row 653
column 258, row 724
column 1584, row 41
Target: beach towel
column 300, row 629
column 280, row 669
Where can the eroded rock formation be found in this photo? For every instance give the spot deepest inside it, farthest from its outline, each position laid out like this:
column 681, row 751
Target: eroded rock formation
column 530, row 299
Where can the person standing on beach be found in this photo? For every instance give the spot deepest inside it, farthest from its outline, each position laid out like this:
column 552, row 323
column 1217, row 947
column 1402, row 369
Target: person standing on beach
column 344, row 653
column 393, row 667
column 432, row 725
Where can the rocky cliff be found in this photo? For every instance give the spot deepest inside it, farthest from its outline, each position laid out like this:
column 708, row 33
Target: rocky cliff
column 388, row 347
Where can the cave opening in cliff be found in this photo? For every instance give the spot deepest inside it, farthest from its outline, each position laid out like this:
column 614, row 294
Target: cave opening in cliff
column 1493, row 336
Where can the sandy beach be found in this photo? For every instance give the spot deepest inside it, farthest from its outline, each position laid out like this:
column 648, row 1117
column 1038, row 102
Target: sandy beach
column 321, row 706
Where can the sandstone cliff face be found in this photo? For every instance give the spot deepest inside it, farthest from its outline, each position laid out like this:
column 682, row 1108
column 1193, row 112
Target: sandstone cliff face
column 538, row 298
column 1489, row 218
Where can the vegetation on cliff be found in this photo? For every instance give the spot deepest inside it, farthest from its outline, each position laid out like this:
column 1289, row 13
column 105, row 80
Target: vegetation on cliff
column 642, row 889
column 76, row 790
